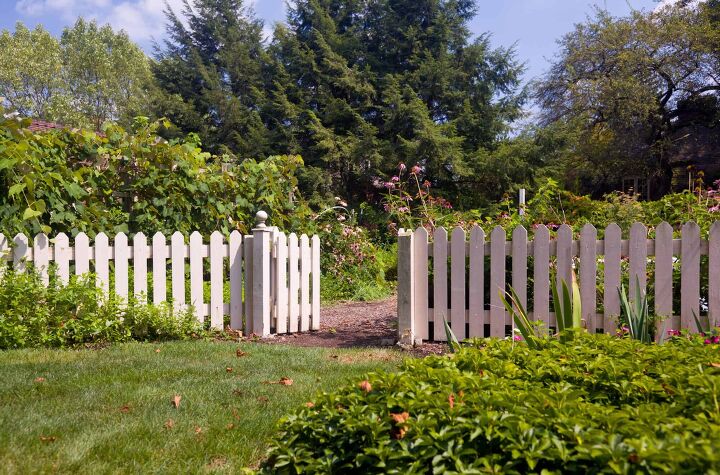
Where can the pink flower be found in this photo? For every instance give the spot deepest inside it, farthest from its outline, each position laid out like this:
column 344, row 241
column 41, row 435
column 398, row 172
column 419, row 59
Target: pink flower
column 390, row 185
column 517, row 338
column 403, row 209
column 416, row 170
column 395, row 179
column 714, row 209
column 426, row 184
column 402, row 167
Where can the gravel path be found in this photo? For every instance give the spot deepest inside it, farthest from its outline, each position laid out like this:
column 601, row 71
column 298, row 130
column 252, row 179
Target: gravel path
column 356, row 324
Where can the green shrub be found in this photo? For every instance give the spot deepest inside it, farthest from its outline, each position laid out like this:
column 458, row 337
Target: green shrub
column 598, row 404
column 56, row 315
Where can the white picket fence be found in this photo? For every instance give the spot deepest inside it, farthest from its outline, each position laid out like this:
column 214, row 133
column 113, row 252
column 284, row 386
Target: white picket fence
column 460, row 294
column 274, row 279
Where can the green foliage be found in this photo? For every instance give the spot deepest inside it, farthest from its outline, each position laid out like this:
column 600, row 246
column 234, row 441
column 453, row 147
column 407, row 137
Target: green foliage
column 598, row 405
column 514, row 306
column 636, row 314
column 453, row 343
column 72, row 181
column 91, row 75
column 631, row 86
column 568, row 309
column 57, row 315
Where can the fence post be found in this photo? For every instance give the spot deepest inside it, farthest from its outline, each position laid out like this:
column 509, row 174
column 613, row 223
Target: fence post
column 406, row 288
column 261, row 275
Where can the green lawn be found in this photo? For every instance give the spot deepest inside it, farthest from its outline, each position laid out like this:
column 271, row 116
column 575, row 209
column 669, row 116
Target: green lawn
column 111, row 410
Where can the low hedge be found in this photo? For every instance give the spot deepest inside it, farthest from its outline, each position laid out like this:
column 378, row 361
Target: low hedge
column 599, row 404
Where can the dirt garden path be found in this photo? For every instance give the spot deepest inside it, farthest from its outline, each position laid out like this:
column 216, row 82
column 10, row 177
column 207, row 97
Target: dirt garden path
column 355, row 324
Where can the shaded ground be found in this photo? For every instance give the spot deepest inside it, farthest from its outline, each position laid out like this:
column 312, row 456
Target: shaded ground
column 356, row 324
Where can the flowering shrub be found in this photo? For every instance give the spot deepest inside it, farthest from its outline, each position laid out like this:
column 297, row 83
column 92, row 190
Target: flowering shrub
column 598, row 405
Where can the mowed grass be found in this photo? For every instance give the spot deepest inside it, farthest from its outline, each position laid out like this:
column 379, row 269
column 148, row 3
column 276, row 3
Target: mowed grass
column 111, row 410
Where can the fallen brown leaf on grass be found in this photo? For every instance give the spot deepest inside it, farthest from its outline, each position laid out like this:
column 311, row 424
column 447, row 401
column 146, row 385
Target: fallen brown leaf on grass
column 198, row 430
column 125, row 409
column 238, row 392
column 263, row 399
column 176, row 401
column 39, row 379
column 285, row 381
column 309, row 404
column 157, row 350
column 240, row 353
column 169, row 424
column 228, row 369
column 230, row 426
column 48, row 438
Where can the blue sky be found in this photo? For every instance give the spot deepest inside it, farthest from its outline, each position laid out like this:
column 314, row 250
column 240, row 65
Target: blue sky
column 533, row 25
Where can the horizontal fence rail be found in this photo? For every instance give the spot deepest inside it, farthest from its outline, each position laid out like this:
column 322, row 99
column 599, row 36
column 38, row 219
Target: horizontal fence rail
column 460, row 277
column 273, row 279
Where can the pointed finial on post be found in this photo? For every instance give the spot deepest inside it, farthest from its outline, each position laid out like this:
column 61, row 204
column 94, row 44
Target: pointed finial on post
column 260, row 219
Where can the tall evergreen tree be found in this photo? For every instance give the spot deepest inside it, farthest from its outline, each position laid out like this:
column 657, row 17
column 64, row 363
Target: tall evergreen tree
column 372, row 83
column 210, row 75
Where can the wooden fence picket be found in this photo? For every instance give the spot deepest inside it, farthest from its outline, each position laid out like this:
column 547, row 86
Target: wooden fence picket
column 159, row 258
column 305, row 266
column 216, row 280
column 63, row 254
column 440, row 277
column 196, row 275
column 421, row 281
column 315, row 282
column 281, row 286
column 457, row 282
column 497, row 281
column 293, row 283
column 541, row 276
column 520, row 264
column 140, row 258
column 82, row 254
column 102, row 262
column 20, row 252
column 41, row 256
column 638, row 260
column 664, row 275
column 714, row 275
column 177, row 270
column 122, row 255
column 236, row 292
column 690, row 275
column 476, row 283
column 588, row 276
column 613, row 257
column 248, row 273
column 564, row 256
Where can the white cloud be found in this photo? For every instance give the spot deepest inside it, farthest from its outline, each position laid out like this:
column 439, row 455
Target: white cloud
column 667, row 3
column 143, row 20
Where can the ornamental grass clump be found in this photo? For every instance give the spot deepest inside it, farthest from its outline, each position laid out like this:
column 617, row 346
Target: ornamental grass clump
column 595, row 404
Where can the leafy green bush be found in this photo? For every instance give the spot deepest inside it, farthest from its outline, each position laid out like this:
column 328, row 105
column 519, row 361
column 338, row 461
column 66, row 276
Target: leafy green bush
column 598, row 404
column 35, row 315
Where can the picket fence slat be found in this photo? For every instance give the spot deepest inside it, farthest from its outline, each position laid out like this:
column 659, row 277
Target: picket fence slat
column 440, row 276
column 519, row 255
column 293, row 283
column 248, row 242
column 102, row 262
column 315, row 283
column 664, row 274
column 20, row 252
column 305, row 266
column 593, row 259
column 457, row 282
column 122, row 254
column 41, row 256
column 588, row 276
column 216, row 280
column 714, row 274
column 82, row 254
column 421, row 280
column 497, row 281
column 638, row 260
column 613, row 256
column 541, row 276
column 690, row 275
column 177, row 269
column 476, row 284
column 159, row 268
column 196, row 275
column 281, row 287
column 236, row 274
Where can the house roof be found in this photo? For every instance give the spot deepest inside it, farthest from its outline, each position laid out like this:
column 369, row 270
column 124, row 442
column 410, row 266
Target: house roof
column 44, row 126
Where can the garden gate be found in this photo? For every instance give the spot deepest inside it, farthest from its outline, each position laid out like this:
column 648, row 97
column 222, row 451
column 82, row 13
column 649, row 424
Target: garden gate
column 274, row 279
column 468, row 296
